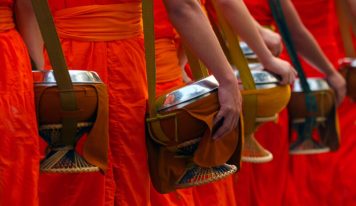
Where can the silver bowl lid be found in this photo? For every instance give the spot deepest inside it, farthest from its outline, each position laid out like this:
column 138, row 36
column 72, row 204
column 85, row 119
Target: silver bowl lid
column 247, row 51
column 196, row 90
column 188, row 93
column 261, row 77
column 353, row 63
column 77, row 76
column 315, row 84
column 348, row 61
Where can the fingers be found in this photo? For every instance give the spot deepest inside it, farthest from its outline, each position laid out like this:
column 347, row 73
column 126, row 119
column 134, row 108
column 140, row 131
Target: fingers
column 229, row 123
column 218, row 117
column 289, row 77
column 277, row 49
column 285, row 79
column 338, row 83
column 340, row 95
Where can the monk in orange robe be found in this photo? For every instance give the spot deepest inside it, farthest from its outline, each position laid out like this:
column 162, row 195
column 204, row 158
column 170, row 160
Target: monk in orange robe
column 107, row 38
column 19, row 156
column 236, row 14
column 274, row 183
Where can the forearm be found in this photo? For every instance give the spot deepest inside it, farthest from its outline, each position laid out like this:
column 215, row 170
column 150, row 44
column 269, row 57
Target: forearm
column 310, row 50
column 192, row 25
column 245, row 26
column 352, row 5
column 28, row 28
column 304, row 42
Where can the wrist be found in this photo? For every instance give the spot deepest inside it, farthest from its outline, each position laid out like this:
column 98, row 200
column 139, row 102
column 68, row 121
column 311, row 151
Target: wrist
column 330, row 71
column 268, row 61
column 228, row 81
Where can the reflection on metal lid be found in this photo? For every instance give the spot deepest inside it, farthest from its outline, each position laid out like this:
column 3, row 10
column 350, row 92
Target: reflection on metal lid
column 353, row 63
column 315, row 84
column 246, row 49
column 189, row 92
column 260, row 76
column 77, row 76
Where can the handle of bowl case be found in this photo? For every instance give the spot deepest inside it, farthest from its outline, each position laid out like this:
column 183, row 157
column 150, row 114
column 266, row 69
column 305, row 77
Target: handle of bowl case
column 61, row 74
column 345, row 21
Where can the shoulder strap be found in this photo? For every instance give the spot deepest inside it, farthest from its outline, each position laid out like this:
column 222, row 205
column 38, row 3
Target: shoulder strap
column 236, row 53
column 238, row 59
column 310, row 99
column 61, row 74
column 198, row 69
column 148, row 29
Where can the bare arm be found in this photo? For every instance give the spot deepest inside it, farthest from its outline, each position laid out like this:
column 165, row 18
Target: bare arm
column 309, row 49
column 194, row 28
column 272, row 39
column 244, row 25
column 303, row 40
column 28, row 28
column 352, row 5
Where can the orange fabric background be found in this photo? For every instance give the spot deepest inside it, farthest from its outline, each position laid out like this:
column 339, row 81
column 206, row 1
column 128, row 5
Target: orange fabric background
column 167, row 63
column 19, row 156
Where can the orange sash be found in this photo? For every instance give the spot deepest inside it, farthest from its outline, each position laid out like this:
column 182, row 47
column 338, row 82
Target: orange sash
column 167, row 61
column 100, row 22
column 6, row 19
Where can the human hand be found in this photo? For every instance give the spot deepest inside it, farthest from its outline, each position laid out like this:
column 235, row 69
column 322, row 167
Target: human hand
column 281, row 68
column 273, row 41
column 338, row 84
column 230, row 108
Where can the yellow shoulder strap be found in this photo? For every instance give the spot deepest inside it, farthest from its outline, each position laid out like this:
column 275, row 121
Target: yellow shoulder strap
column 198, row 69
column 238, row 59
column 61, row 74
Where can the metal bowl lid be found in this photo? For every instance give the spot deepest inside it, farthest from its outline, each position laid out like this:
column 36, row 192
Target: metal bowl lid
column 191, row 92
column 315, row 84
column 260, row 76
column 77, row 76
column 247, row 51
column 348, row 61
column 187, row 93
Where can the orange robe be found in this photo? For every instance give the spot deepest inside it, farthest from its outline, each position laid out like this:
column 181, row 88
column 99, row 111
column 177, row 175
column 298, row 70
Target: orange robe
column 19, row 156
column 169, row 76
column 107, row 38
